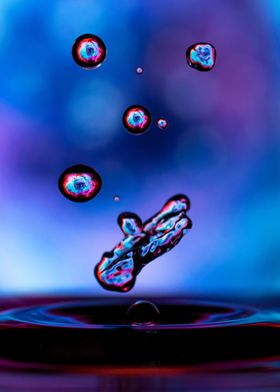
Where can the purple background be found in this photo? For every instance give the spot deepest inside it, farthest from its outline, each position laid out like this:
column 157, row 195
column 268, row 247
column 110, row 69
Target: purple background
column 222, row 147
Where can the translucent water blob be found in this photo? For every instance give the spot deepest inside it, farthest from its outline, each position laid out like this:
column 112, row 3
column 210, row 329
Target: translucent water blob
column 137, row 119
column 89, row 51
column 130, row 223
column 80, row 183
column 143, row 313
column 117, row 198
column 118, row 269
column 201, row 56
column 139, row 70
column 162, row 123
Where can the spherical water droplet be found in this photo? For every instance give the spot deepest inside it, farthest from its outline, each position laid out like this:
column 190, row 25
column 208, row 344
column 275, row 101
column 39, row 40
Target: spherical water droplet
column 162, row 123
column 139, row 70
column 137, row 119
column 143, row 313
column 201, row 56
column 117, row 198
column 89, row 51
column 80, row 183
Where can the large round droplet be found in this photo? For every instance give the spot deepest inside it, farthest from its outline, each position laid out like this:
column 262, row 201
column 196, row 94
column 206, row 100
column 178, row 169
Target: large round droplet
column 89, row 51
column 143, row 313
column 201, row 56
column 80, row 183
column 137, row 119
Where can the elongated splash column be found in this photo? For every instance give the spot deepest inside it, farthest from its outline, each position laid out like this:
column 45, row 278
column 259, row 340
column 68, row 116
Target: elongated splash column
column 143, row 243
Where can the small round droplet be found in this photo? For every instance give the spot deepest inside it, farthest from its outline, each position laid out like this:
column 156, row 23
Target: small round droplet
column 143, row 313
column 80, row 183
column 89, row 51
column 139, row 70
column 117, row 198
column 201, row 56
column 162, row 123
column 137, row 119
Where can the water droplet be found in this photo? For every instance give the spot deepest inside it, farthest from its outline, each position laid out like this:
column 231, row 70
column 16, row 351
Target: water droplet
column 201, row 56
column 118, row 269
column 143, row 313
column 89, row 51
column 137, row 119
column 162, row 123
column 139, row 70
column 117, row 198
column 130, row 223
column 80, row 183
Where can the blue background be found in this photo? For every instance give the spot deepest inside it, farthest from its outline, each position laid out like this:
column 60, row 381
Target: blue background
column 222, row 147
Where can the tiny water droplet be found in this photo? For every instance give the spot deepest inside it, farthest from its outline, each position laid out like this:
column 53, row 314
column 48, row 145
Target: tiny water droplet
column 162, row 123
column 139, row 70
column 143, row 313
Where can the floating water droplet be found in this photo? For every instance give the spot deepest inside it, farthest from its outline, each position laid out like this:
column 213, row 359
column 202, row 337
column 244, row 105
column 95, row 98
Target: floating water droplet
column 117, row 198
column 139, row 70
column 137, row 119
column 89, row 51
column 162, row 123
column 80, row 183
column 143, row 313
column 118, row 269
column 201, row 56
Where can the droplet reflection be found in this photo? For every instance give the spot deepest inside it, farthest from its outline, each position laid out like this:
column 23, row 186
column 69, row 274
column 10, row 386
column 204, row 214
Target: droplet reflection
column 143, row 313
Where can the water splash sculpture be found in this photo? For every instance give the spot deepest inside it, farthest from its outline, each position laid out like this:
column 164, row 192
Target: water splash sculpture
column 118, row 269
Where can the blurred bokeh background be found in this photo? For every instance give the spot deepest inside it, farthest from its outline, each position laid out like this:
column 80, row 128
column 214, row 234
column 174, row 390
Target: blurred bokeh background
column 222, row 147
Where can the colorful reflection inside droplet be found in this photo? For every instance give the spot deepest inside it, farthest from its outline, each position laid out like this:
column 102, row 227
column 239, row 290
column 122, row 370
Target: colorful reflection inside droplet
column 162, row 123
column 143, row 243
column 89, row 51
column 80, row 183
column 136, row 119
column 201, row 56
